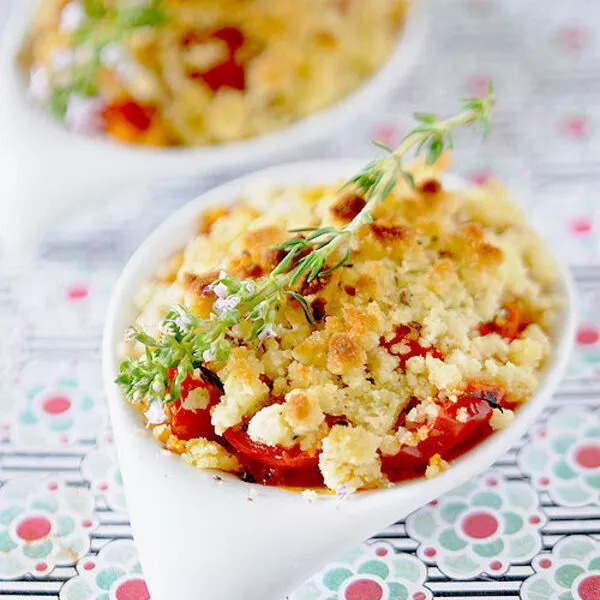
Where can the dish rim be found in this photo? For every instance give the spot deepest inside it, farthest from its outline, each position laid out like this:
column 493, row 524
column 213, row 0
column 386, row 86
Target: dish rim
column 168, row 238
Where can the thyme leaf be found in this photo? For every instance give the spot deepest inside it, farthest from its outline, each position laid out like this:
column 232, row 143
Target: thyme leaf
column 187, row 342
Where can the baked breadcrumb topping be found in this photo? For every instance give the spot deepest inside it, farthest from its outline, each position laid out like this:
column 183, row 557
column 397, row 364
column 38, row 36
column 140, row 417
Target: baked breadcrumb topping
column 198, row 72
column 427, row 339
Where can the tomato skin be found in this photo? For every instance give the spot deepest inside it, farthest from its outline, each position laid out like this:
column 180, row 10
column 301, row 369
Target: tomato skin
column 305, row 477
column 232, row 36
column 135, row 123
column 271, row 456
column 190, row 424
column 138, row 116
column 446, row 431
column 226, row 74
column 510, row 327
column 229, row 72
column 407, row 335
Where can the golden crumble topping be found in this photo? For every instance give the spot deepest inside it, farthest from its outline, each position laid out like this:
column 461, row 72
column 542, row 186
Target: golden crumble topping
column 424, row 342
column 197, row 72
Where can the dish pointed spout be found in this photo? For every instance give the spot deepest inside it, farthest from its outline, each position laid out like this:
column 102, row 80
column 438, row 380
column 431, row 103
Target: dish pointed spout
column 195, row 532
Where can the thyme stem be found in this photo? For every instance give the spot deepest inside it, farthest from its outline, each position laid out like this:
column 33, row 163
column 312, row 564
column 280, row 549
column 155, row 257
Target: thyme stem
column 188, row 342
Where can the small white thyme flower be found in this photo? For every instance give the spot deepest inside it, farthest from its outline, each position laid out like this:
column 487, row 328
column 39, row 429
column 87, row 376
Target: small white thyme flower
column 167, row 327
column 155, row 415
column 343, row 492
column 220, row 290
column 112, row 54
column 39, row 83
column 267, row 332
column 71, row 17
column 63, row 58
column 182, row 321
column 209, row 355
column 130, row 333
column 223, row 304
column 83, row 114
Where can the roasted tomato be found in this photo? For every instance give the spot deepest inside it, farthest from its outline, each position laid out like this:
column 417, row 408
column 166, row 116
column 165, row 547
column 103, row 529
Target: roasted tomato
column 188, row 424
column 408, row 336
column 272, row 456
column 509, row 325
column 304, row 477
column 232, row 36
column 134, row 123
column 449, row 429
column 228, row 73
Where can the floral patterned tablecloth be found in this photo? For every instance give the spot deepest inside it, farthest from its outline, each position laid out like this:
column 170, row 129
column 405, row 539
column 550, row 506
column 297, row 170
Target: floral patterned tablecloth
column 528, row 528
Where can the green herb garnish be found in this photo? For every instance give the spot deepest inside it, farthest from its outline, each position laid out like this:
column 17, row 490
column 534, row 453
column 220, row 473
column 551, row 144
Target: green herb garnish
column 102, row 26
column 94, row 9
column 133, row 16
column 187, row 341
column 58, row 102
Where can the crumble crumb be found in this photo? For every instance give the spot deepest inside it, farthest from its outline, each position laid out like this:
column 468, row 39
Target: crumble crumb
column 310, row 496
column 352, row 389
column 436, row 466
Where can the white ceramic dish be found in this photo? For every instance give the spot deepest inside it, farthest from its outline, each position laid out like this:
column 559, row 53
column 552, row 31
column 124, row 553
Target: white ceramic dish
column 46, row 169
column 194, row 533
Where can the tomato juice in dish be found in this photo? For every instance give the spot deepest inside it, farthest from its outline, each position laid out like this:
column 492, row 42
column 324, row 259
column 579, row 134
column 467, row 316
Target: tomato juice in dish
column 425, row 341
column 197, row 72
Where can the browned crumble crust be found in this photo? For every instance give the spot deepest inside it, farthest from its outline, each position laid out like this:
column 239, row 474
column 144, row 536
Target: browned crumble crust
column 437, row 263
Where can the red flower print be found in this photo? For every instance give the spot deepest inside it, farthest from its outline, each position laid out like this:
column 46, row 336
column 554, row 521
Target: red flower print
column 77, row 292
column 576, row 127
column 587, row 335
column 581, row 226
column 572, row 38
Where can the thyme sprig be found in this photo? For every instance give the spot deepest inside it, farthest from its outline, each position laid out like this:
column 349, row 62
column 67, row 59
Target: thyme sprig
column 187, row 342
column 102, row 26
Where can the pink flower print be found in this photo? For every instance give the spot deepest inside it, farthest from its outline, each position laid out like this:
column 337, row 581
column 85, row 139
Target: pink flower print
column 576, row 127
column 571, row 38
column 587, row 335
column 581, row 226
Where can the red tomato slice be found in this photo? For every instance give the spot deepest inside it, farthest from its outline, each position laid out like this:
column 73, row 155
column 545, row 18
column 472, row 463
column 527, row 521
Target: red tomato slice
column 272, row 456
column 190, row 424
column 232, row 36
column 446, row 432
column 226, row 74
column 406, row 335
column 138, row 116
column 509, row 327
column 304, row 477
